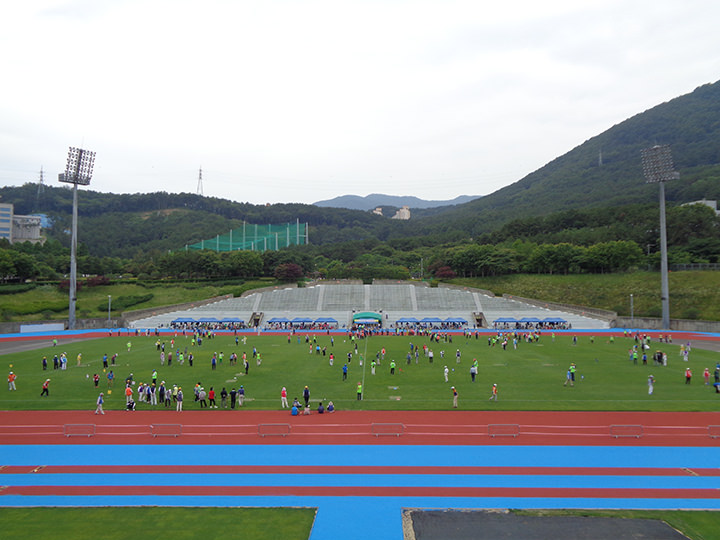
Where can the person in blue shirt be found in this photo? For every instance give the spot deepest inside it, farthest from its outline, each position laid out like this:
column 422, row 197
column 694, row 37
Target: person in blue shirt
column 294, row 410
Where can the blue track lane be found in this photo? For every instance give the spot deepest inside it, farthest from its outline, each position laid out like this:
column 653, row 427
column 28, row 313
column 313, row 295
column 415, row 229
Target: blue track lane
column 361, row 517
column 361, row 455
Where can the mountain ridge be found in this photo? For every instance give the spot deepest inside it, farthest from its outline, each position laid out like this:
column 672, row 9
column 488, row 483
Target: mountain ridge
column 374, row 200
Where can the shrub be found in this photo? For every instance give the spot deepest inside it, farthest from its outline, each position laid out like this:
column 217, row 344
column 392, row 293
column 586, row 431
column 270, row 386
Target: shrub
column 96, row 281
column 15, row 288
column 124, row 302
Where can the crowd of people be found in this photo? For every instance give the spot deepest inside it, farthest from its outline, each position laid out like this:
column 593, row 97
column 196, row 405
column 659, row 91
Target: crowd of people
column 542, row 325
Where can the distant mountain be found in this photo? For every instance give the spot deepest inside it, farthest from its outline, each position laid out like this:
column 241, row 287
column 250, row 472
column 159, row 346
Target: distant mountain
column 370, row 202
column 606, row 170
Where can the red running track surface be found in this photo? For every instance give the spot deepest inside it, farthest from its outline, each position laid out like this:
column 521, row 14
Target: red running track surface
column 534, row 428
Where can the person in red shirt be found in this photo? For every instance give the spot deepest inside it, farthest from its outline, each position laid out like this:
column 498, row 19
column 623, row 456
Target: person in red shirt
column 45, row 388
column 11, row 381
column 211, row 398
column 688, row 376
column 283, row 398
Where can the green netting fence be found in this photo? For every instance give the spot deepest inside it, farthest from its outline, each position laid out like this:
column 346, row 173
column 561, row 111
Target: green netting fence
column 253, row 237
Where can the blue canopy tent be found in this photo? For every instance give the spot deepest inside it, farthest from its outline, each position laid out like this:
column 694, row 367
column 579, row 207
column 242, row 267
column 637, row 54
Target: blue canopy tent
column 325, row 320
column 407, row 320
column 279, row 320
column 505, row 320
column 431, row 320
column 207, row 320
column 553, row 320
column 459, row 320
column 183, row 320
column 529, row 320
column 231, row 320
column 302, row 320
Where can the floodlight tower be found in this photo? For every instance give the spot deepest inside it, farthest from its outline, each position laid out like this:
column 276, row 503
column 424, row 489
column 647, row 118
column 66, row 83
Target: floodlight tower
column 77, row 171
column 658, row 168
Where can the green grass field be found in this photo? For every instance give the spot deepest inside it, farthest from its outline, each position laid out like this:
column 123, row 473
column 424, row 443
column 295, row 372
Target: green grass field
column 530, row 377
column 165, row 522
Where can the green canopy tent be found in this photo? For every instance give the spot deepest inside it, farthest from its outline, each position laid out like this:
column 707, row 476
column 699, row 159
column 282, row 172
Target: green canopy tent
column 367, row 317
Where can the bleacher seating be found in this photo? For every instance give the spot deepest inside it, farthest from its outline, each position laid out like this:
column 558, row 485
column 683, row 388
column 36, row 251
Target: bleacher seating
column 396, row 301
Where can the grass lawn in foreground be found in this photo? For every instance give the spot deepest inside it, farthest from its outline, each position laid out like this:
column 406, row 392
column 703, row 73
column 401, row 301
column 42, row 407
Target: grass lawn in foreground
column 121, row 523
column 530, row 377
column 252, row 523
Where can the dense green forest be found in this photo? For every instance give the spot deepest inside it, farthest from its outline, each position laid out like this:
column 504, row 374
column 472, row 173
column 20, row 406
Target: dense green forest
column 589, row 241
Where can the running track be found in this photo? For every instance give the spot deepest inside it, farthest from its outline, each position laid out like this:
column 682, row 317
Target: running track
column 358, row 481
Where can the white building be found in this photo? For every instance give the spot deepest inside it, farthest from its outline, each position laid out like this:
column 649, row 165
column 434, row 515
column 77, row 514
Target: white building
column 18, row 228
column 705, row 202
column 403, row 213
column 6, row 215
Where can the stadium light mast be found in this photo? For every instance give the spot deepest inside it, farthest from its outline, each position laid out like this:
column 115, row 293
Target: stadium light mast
column 77, row 171
column 658, row 168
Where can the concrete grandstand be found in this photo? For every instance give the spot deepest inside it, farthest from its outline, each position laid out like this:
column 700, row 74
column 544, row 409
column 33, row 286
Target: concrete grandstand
column 394, row 302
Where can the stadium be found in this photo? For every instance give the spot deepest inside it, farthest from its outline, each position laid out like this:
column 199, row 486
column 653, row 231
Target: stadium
column 389, row 306
column 383, row 466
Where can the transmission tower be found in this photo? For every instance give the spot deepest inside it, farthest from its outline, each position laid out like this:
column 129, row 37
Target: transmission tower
column 199, row 186
column 40, row 189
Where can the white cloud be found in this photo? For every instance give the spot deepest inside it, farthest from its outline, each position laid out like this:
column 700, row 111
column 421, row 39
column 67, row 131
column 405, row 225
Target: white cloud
column 282, row 101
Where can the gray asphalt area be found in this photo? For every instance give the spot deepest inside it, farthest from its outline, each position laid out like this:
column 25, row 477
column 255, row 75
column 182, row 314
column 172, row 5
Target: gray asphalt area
column 495, row 525
column 9, row 347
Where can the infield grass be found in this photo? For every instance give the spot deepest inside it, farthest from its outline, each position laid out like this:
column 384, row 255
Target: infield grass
column 530, row 377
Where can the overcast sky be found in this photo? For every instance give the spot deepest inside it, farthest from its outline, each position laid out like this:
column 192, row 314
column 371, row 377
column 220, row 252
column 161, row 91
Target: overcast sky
column 299, row 101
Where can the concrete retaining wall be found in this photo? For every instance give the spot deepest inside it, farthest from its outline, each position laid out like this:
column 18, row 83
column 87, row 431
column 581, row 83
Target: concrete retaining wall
column 678, row 325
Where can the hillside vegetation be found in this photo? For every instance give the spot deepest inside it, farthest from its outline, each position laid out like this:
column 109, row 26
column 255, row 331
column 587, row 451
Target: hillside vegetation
column 693, row 295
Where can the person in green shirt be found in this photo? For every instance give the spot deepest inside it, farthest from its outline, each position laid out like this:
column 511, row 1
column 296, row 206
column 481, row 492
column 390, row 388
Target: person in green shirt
column 359, row 391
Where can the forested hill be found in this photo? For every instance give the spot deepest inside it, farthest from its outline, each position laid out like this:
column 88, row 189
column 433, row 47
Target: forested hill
column 125, row 225
column 690, row 124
